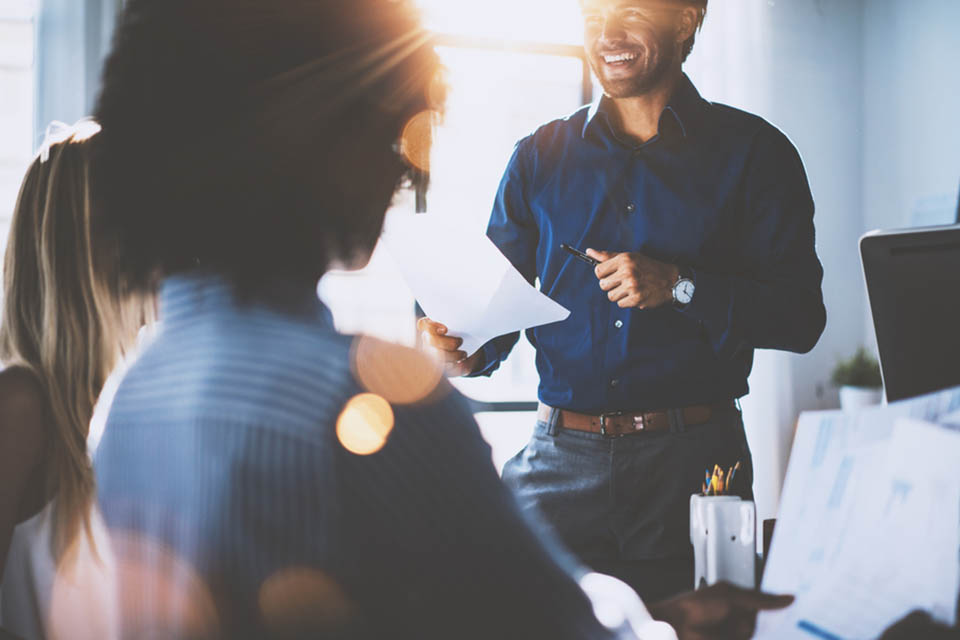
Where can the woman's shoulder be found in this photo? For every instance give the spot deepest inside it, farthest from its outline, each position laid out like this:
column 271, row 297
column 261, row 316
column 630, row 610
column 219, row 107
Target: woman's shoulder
column 23, row 412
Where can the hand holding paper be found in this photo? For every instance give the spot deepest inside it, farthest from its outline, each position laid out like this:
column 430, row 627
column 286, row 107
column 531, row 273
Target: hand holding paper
column 463, row 281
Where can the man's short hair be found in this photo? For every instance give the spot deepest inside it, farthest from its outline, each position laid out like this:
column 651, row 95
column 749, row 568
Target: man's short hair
column 256, row 139
column 701, row 6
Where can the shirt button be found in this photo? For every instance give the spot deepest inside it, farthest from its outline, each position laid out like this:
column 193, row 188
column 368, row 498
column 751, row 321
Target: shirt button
column 631, row 208
column 614, row 382
column 618, row 324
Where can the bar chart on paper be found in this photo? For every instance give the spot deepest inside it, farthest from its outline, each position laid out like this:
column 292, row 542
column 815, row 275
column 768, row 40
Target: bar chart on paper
column 868, row 529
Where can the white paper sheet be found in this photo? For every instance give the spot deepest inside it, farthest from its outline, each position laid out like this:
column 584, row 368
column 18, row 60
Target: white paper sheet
column 463, row 281
column 839, row 467
column 905, row 555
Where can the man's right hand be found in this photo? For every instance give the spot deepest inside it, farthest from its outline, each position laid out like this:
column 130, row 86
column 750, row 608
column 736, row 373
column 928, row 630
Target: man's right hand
column 721, row 611
column 446, row 349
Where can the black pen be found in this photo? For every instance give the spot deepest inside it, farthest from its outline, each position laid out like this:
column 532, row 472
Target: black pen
column 576, row 253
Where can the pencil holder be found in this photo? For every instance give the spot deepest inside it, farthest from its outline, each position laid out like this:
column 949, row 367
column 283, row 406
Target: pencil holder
column 723, row 535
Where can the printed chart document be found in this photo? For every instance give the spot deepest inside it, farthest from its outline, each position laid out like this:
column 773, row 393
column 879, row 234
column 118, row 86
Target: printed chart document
column 906, row 556
column 463, row 281
column 869, row 522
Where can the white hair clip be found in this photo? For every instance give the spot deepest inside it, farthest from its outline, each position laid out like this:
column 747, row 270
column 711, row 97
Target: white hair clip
column 58, row 132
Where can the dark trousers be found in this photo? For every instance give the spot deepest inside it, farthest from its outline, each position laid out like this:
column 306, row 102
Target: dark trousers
column 622, row 504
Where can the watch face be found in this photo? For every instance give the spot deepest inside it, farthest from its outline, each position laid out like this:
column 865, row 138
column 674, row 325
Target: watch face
column 684, row 291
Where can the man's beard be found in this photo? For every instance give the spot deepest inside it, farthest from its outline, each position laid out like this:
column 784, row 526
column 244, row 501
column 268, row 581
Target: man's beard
column 663, row 55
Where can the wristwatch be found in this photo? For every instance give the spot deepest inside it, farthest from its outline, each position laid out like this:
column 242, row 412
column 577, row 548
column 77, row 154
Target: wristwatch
column 684, row 288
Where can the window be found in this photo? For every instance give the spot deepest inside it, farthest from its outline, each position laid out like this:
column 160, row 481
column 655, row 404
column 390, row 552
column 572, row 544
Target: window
column 512, row 66
column 17, row 34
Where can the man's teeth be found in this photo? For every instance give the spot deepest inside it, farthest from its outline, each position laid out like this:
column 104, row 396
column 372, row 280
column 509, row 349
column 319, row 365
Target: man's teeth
column 620, row 57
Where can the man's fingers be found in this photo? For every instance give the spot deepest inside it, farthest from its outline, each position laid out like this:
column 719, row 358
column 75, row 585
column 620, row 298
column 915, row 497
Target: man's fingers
column 608, row 284
column 429, row 326
column 457, row 369
column 608, row 264
column 918, row 624
column 602, row 256
column 454, row 357
column 757, row 600
column 442, row 343
column 464, row 366
column 618, row 294
column 606, row 269
column 729, row 626
column 742, row 626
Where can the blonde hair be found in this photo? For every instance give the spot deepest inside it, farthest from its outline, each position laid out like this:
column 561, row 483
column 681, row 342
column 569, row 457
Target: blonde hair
column 64, row 315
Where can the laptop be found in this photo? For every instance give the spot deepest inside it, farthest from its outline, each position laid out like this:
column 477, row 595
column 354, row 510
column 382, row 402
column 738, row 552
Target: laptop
column 913, row 286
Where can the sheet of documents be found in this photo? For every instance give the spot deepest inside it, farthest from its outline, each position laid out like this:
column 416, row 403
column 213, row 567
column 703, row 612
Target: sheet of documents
column 905, row 555
column 834, row 537
column 463, row 281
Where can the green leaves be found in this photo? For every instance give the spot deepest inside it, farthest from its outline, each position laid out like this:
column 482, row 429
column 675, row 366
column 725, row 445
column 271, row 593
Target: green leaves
column 862, row 370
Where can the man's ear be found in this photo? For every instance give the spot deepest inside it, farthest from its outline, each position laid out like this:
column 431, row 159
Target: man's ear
column 687, row 23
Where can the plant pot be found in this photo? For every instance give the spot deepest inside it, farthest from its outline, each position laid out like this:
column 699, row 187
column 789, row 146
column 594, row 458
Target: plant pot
column 852, row 398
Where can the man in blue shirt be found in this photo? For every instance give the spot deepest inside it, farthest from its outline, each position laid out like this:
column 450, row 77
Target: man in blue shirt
column 700, row 219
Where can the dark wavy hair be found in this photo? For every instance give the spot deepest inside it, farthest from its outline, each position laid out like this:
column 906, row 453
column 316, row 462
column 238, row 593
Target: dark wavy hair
column 257, row 139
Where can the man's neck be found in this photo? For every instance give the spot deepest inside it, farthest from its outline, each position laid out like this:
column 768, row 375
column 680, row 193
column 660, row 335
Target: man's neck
column 639, row 116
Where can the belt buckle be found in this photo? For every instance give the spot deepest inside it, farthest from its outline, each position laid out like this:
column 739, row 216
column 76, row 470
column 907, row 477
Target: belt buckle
column 603, row 421
column 640, row 422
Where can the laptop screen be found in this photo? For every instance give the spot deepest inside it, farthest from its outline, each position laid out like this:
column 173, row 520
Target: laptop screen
column 913, row 283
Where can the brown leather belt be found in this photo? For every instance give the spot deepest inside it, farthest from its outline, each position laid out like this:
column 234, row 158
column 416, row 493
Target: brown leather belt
column 623, row 423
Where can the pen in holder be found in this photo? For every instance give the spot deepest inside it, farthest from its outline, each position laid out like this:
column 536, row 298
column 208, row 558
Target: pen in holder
column 723, row 534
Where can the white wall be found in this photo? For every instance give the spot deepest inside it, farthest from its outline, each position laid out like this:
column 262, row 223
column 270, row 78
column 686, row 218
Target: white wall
column 73, row 36
column 798, row 64
column 911, row 143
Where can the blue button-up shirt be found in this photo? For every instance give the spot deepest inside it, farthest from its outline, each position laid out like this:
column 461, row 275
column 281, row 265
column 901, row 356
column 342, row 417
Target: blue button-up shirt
column 719, row 191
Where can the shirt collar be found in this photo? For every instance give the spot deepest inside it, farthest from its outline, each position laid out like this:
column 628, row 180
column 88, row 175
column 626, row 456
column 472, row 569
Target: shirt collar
column 682, row 107
column 187, row 295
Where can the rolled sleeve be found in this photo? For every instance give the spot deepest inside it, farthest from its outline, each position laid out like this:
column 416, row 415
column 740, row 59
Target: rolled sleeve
column 775, row 301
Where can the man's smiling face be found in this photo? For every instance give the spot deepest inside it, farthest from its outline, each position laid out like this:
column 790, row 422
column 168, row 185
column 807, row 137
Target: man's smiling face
column 631, row 44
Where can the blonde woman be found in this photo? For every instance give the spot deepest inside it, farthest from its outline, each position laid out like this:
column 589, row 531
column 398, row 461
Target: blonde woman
column 62, row 333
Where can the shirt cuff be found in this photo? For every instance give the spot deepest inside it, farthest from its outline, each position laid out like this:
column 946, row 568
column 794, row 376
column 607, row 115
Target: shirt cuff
column 489, row 360
column 711, row 298
column 619, row 608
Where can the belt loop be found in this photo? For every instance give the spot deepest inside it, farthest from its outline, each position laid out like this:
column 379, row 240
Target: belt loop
column 552, row 421
column 677, row 423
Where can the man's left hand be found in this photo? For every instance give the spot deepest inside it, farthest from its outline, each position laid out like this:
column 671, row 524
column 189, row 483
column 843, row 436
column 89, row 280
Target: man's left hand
column 635, row 280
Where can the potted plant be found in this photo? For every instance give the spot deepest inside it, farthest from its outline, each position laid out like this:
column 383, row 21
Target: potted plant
column 859, row 380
